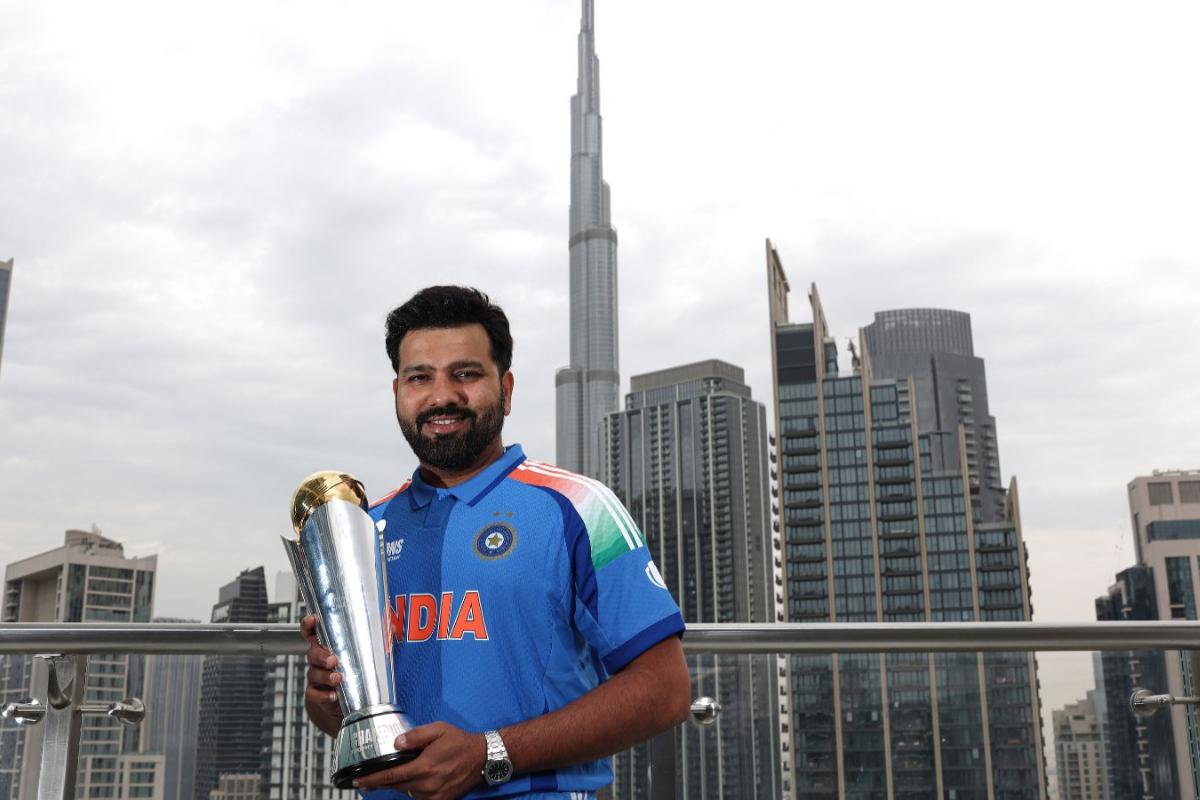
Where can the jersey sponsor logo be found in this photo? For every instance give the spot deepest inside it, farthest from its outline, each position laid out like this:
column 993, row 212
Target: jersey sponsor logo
column 496, row 540
column 420, row 617
column 655, row 576
column 393, row 550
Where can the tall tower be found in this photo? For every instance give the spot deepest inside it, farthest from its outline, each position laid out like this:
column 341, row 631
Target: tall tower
column 588, row 388
column 878, row 529
column 6, row 268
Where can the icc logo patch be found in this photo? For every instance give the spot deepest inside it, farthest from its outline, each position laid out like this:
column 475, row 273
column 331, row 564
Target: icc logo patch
column 496, row 540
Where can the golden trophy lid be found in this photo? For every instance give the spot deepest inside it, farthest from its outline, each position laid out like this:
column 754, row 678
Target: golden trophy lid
column 319, row 488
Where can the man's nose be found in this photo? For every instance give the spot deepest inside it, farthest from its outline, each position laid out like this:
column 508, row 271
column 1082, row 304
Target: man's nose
column 446, row 391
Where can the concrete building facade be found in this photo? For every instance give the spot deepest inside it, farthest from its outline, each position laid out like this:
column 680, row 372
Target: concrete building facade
column 1079, row 751
column 875, row 528
column 88, row 579
column 688, row 458
column 1164, row 511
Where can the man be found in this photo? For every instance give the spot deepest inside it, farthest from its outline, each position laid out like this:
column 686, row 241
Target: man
column 531, row 627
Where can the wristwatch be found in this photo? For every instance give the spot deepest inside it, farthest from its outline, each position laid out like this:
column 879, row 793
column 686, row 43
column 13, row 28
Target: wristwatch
column 497, row 769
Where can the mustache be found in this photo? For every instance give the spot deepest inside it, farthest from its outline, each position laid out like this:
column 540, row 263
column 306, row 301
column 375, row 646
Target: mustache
column 445, row 411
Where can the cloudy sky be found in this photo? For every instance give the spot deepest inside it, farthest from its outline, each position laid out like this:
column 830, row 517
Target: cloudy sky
column 212, row 208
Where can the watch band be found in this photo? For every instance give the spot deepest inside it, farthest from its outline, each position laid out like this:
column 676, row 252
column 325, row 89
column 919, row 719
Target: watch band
column 495, row 746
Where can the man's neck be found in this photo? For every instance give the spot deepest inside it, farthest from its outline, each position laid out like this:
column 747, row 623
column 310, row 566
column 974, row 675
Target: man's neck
column 447, row 478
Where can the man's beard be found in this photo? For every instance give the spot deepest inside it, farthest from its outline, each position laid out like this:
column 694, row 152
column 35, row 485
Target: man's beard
column 457, row 451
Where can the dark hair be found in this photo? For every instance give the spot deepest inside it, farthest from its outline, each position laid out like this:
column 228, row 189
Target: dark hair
column 450, row 307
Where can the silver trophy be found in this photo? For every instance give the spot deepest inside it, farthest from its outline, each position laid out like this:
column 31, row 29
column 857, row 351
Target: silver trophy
column 337, row 557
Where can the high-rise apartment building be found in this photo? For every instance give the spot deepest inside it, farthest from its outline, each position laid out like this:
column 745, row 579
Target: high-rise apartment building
column 172, row 697
column 298, row 756
column 588, row 388
column 1165, row 512
column 877, row 529
column 1079, row 751
column 233, row 690
column 88, row 579
column 688, row 457
column 6, row 270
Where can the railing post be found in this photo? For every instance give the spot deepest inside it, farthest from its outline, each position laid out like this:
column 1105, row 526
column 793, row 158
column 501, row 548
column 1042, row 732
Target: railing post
column 662, row 765
column 65, row 679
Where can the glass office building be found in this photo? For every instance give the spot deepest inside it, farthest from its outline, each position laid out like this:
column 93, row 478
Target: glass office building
column 876, row 527
column 230, row 738
column 688, row 457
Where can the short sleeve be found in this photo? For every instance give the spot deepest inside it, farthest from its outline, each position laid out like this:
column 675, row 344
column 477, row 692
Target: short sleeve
column 621, row 602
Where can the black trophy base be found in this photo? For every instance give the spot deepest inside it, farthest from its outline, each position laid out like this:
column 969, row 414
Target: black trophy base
column 344, row 778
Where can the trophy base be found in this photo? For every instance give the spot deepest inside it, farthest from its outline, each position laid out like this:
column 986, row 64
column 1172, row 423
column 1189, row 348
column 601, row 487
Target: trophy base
column 366, row 743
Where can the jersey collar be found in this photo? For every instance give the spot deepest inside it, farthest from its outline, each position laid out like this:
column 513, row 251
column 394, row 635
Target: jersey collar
column 470, row 492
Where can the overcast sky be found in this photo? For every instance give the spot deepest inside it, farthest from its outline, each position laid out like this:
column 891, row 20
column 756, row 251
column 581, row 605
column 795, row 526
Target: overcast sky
column 212, row 208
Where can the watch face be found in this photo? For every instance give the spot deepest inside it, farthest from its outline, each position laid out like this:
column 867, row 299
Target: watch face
column 498, row 771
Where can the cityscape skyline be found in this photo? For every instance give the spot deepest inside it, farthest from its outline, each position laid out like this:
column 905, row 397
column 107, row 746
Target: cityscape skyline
column 135, row 413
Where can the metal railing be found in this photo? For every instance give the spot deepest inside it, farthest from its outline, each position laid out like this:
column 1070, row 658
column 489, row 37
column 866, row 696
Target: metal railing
column 61, row 655
column 725, row 638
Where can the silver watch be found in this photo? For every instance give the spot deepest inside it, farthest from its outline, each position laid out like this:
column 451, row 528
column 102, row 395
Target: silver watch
column 497, row 769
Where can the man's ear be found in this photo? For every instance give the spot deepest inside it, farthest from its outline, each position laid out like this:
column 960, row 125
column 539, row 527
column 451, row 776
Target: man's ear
column 506, row 388
column 395, row 385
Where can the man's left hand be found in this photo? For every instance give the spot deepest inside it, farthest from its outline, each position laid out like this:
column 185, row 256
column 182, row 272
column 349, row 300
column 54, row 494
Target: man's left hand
column 450, row 764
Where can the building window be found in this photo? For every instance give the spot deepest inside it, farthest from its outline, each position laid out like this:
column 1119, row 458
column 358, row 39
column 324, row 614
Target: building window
column 1180, row 591
column 1173, row 529
column 1189, row 491
column 1160, row 494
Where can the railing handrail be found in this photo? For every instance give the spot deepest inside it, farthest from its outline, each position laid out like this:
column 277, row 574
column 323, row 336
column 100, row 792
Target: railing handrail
column 724, row 638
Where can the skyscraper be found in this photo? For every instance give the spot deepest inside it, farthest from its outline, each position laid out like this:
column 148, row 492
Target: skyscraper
column 934, row 347
column 88, row 579
column 298, row 755
column 231, row 736
column 1079, row 751
column 588, row 388
column 6, row 270
column 1165, row 512
column 878, row 529
column 688, row 457
column 172, row 697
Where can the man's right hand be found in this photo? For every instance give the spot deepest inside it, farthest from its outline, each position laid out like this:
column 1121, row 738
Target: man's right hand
column 320, row 696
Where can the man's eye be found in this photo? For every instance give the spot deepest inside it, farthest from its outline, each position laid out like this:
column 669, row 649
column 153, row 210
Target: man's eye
column 417, row 378
column 467, row 375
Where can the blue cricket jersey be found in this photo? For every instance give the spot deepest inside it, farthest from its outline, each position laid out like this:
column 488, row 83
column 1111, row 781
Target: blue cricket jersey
column 513, row 594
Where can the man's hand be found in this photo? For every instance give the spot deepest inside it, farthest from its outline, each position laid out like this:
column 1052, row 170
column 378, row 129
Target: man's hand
column 320, row 696
column 450, row 764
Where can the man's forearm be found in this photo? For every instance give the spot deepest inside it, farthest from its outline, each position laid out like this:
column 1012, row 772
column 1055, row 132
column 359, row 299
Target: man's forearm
column 651, row 694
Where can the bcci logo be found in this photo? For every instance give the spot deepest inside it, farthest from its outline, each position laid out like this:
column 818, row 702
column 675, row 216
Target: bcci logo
column 495, row 541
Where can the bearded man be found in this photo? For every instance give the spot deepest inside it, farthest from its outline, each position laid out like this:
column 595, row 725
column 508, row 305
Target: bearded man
column 533, row 634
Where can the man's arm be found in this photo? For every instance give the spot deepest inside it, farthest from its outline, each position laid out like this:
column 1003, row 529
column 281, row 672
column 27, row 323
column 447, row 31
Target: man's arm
column 652, row 693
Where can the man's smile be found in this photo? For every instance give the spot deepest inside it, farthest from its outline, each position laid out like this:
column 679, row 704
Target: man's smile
column 446, row 423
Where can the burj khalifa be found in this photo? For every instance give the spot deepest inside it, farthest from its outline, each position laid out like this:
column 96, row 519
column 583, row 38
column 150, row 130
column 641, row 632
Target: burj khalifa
column 588, row 388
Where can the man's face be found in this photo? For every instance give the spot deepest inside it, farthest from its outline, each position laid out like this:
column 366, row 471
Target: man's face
column 451, row 399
